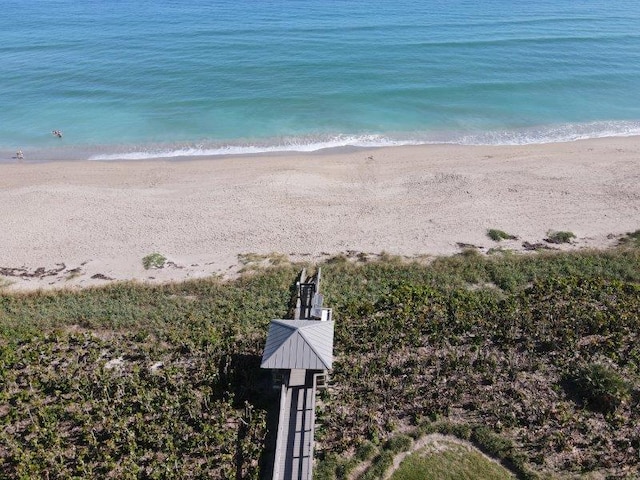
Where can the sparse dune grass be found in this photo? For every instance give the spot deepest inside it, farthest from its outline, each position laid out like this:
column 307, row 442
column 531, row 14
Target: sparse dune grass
column 498, row 235
column 560, row 236
column 255, row 261
column 631, row 239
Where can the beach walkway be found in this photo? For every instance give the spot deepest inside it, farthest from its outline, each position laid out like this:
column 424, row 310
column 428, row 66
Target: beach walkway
column 300, row 353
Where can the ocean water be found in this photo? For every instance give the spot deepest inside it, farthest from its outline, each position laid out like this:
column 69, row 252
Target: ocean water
column 143, row 78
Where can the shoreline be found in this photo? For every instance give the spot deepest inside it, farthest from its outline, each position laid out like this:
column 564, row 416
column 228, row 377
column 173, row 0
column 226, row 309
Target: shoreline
column 58, row 149
column 101, row 218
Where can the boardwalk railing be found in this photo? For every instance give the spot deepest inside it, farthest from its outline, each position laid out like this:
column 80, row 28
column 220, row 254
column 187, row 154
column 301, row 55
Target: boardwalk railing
column 296, row 420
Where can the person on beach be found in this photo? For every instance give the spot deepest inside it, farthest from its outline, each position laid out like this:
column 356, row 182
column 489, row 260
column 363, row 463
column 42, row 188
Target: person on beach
column 19, row 155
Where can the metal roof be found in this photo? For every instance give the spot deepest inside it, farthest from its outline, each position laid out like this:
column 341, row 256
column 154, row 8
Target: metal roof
column 304, row 344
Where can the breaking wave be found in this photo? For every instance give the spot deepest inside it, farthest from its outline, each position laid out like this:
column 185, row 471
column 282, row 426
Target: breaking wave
column 524, row 136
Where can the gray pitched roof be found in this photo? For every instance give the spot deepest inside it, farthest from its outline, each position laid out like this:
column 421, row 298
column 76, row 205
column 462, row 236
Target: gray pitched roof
column 304, row 344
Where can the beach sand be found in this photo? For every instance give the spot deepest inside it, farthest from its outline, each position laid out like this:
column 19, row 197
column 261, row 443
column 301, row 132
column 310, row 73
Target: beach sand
column 82, row 223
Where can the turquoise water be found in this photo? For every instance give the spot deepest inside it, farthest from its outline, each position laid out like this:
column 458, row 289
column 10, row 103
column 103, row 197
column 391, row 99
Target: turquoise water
column 141, row 78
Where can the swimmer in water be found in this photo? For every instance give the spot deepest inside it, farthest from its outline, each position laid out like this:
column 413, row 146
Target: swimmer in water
column 57, row 133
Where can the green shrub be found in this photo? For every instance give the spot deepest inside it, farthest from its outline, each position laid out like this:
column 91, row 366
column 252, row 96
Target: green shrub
column 365, row 451
column 461, row 431
column 491, row 443
column 559, row 237
column 631, row 239
column 345, row 467
column 497, row 446
column 154, row 260
column 399, row 443
column 498, row 235
column 379, row 466
column 326, row 469
column 600, row 387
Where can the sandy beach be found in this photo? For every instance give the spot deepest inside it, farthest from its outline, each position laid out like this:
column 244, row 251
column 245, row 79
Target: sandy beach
column 82, row 223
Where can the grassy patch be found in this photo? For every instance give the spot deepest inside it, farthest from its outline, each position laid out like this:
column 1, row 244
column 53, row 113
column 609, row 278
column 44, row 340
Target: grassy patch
column 399, row 443
column 256, row 261
column 631, row 239
column 154, row 260
column 499, row 251
column 449, row 461
column 599, row 386
column 559, row 237
column 379, row 466
column 499, row 235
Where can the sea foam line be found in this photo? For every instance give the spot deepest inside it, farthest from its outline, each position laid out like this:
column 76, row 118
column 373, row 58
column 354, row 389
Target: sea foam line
column 293, row 145
column 525, row 136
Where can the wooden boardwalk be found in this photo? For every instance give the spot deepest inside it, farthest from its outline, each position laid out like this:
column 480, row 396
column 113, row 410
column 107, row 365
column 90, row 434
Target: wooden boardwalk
column 295, row 439
column 296, row 421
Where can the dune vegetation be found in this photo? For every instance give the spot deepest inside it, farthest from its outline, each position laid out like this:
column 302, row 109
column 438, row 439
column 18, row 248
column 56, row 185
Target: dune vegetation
column 535, row 359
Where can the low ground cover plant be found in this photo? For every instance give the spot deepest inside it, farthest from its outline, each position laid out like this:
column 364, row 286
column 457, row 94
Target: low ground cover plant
column 599, row 386
column 499, row 235
column 154, row 260
column 559, row 237
column 631, row 239
column 131, row 381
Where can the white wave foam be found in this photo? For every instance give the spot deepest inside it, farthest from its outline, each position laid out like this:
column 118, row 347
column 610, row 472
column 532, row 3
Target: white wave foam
column 553, row 134
column 525, row 136
column 293, row 145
